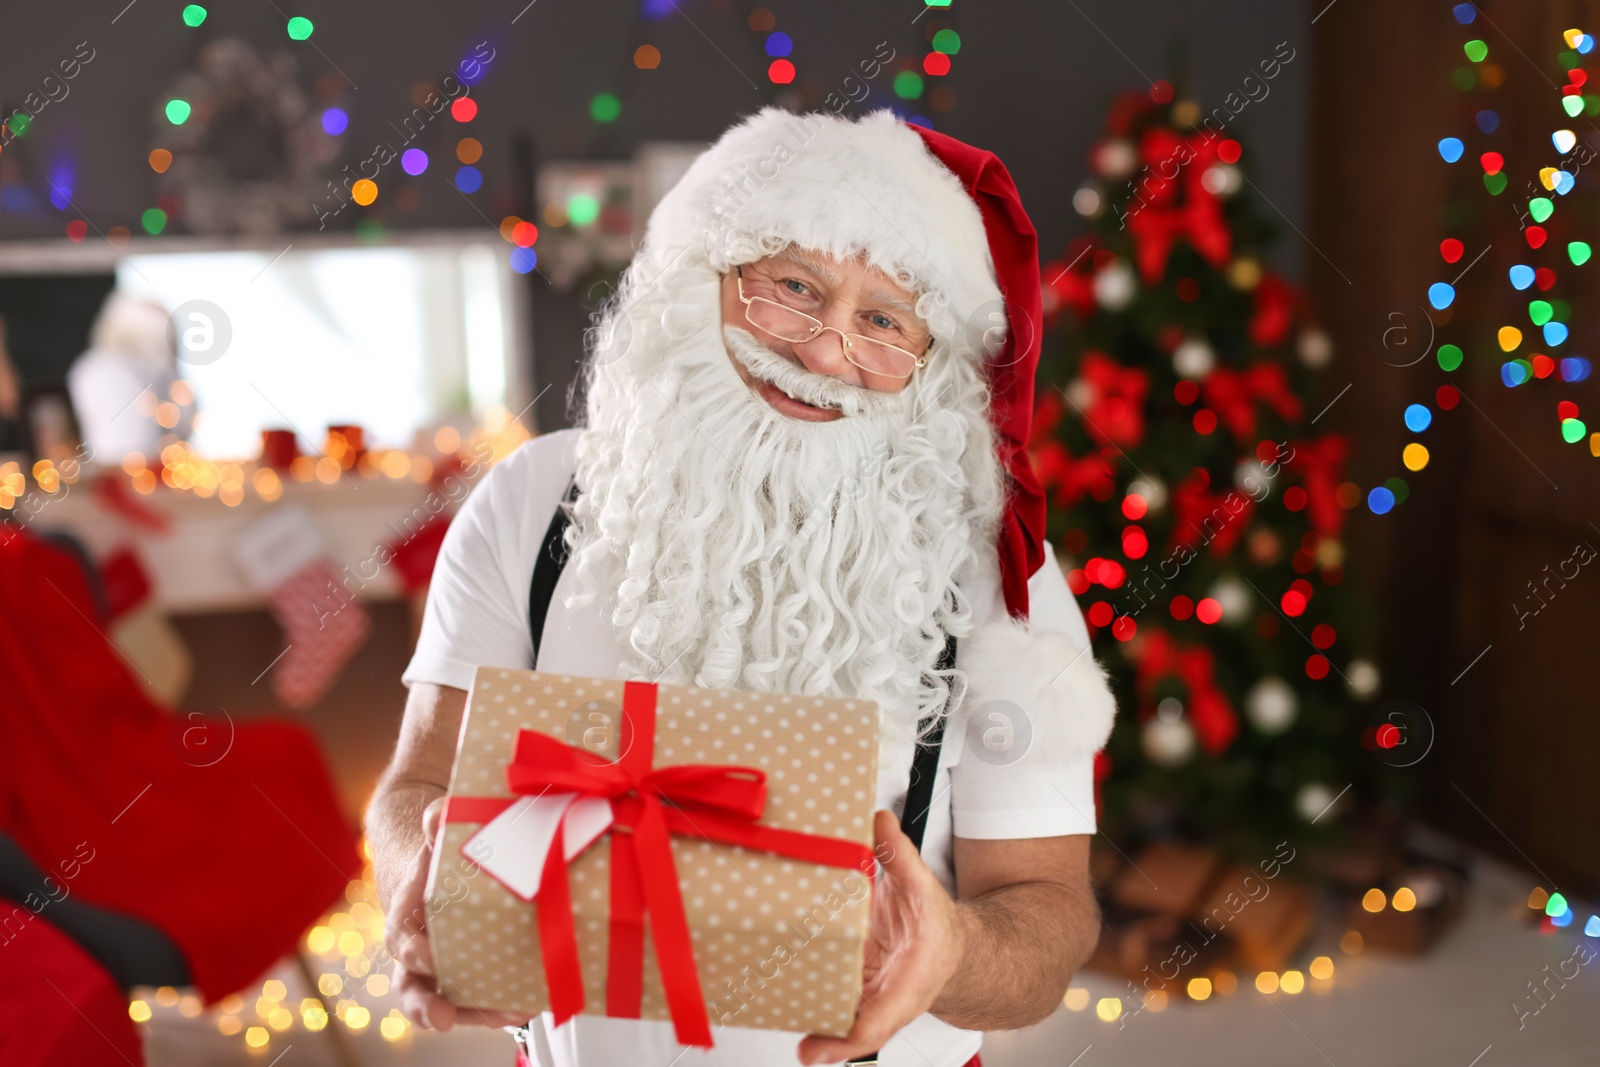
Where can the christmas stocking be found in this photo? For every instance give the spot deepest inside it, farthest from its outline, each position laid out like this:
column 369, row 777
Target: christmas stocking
column 283, row 559
column 141, row 630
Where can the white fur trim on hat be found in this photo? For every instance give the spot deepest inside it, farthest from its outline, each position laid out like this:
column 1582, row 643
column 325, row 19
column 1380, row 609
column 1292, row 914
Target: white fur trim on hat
column 1060, row 688
column 843, row 187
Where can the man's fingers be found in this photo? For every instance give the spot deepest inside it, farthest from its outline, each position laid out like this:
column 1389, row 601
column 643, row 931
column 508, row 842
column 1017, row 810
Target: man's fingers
column 893, row 847
column 430, row 1011
column 870, row 1032
column 413, row 953
column 430, row 821
column 405, row 933
column 867, row 1035
column 406, row 927
column 420, row 1004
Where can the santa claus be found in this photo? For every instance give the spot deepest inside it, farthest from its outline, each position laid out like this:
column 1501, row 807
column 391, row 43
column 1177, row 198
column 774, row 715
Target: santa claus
column 800, row 470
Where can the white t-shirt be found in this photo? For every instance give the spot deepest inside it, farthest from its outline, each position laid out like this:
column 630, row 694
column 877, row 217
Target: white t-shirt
column 477, row 615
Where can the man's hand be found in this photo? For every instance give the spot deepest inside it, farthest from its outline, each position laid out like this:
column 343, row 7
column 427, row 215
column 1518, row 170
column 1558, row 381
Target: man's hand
column 406, row 935
column 915, row 942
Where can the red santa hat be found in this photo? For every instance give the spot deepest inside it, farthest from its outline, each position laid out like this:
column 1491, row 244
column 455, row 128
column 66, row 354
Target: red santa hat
column 945, row 219
column 1012, row 363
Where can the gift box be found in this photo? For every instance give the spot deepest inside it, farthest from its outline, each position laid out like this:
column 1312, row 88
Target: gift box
column 656, row 852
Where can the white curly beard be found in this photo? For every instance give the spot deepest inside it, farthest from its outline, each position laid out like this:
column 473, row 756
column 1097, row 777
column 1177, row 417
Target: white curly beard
column 737, row 547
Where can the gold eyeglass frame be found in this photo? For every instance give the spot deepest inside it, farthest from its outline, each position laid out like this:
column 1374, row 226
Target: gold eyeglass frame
column 818, row 329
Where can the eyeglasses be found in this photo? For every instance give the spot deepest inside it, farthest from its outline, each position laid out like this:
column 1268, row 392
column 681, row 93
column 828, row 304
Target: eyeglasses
column 796, row 327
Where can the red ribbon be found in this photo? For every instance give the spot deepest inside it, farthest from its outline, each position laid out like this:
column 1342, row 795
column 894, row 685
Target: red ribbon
column 1115, row 414
column 1069, row 477
column 1275, row 305
column 1234, row 394
column 1215, row 723
column 1066, row 477
column 1157, row 223
column 1320, row 464
column 1069, row 282
column 1201, row 517
column 714, row 802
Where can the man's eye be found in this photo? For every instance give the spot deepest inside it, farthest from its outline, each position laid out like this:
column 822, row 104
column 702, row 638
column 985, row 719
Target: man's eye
column 798, row 288
column 883, row 322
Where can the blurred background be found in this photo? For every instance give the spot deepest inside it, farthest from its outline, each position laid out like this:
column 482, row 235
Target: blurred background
column 278, row 285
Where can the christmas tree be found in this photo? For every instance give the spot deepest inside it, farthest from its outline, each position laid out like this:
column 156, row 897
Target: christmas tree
column 1197, row 507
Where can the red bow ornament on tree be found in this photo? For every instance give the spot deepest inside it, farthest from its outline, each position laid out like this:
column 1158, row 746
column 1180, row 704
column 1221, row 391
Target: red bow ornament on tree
column 1320, row 464
column 1111, row 399
column 1199, row 516
column 1233, row 396
column 1275, row 301
column 1066, row 477
column 1160, row 657
column 1069, row 283
column 1159, row 216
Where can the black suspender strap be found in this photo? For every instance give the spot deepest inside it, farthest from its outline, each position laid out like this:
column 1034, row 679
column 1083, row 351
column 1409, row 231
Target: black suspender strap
column 925, row 765
column 547, row 568
column 924, row 762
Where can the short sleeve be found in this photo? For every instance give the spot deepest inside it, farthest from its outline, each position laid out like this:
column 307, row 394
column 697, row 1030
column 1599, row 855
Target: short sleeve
column 1035, row 789
column 476, row 611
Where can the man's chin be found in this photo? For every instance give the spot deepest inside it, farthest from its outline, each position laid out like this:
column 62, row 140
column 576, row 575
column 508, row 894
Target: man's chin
column 785, row 404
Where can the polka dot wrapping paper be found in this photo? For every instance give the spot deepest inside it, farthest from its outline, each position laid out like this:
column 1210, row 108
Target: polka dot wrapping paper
column 777, row 942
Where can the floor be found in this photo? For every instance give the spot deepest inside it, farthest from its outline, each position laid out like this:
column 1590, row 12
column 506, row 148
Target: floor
column 1454, row 1007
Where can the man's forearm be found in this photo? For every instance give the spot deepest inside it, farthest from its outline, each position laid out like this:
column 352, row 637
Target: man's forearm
column 1021, row 946
column 415, row 777
column 394, row 830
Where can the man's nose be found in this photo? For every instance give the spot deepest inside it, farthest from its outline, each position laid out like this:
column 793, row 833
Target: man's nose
column 824, row 353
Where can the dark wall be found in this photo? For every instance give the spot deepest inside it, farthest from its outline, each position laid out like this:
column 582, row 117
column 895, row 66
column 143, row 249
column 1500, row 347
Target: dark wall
column 1031, row 83
column 1504, row 502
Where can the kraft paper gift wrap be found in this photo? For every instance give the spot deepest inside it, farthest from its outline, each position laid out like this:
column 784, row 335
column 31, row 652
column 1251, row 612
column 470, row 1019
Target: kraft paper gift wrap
column 777, row 942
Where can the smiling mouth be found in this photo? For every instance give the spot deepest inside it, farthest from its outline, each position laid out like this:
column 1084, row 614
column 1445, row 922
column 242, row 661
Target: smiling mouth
column 794, row 407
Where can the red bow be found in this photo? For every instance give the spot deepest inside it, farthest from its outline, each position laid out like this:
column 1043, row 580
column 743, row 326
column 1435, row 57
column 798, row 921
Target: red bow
column 1161, row 150
column 1071, row 477
column 1275, row 302
column 1069, row 283
column 1320, row 464
column 1126, row 109
column 1215, row 724
column 1066, row 476
column 1233, row 395
column 1156, row 223
column 1202, row 517
column 1116, row 407
column 712, row 802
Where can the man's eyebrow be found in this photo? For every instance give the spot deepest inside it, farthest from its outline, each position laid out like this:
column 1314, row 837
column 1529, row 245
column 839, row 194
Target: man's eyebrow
column 812, row 264
column 881, row 297
column 893, row 303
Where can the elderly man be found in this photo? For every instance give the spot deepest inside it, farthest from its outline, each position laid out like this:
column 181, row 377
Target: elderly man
column 801, row 471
